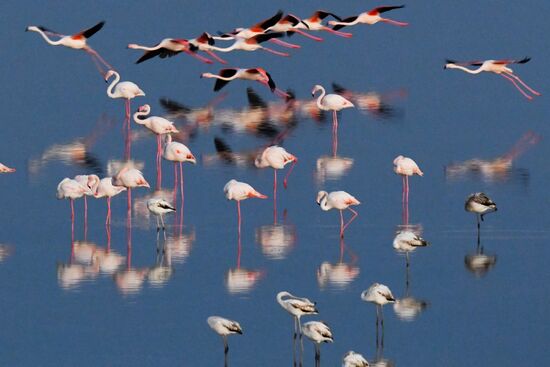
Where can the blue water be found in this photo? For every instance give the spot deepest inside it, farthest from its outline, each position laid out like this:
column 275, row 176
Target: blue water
column 54, row 96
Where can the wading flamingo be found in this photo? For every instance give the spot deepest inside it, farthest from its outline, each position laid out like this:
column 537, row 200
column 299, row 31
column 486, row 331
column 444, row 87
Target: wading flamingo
column 235, row 190
column 107, row 189
column 406, row 167
column 178, row 153
column 340, row 200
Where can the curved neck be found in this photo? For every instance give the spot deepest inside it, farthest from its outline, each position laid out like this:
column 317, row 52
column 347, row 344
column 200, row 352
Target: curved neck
column 324, row 202
column 139, row 114
column 45, row 36
column 476, row 71
column 145, row 48
column 227, row 49
column 112, row 85
column 320, row 98
column 210, row 75
column 280, row 298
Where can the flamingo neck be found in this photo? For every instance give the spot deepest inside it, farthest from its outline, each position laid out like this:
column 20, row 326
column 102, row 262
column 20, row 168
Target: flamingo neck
column 320, row 98
column 226, row 49
column 47, row 39
column 112, row 85
column 139, row 114
column 324, row 203
column 469, row 71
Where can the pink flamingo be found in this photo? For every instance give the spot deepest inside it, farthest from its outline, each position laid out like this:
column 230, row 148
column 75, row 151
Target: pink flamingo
column 91, row 182
column 235, row 190
column 315, row 23
column 204, row 43
column 71, row 189
column 168, row 47
column 253, row 44
column 177, row 153
column 6, row 169
column 288, row 24
column 340, row 200
column 130, row 178
column 256, row 74
column 107, row 189
column 406, row 167
column 369, row 17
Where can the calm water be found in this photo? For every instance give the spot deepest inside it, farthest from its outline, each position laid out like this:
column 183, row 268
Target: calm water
column 145, row 308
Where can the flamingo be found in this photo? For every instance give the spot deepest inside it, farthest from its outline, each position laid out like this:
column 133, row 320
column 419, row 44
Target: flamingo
column 177, row 153
column 158, row 125
column 159, row 207
column 480, row 204
column 499, row 67
column 6, row 169
column 71, row 189
column 318, row 332
column 314, row 23
column 168, row 47
column 235, row 190
column 369, row 17
column 379, row 294
column 408, row 241
column 258, row 74
column 224, row 327
column 77, row 41
column 340, row 200
column 288, row 24
column 353, row 359
column 334, row 103
column 107, row 189
column 130, row 178
column 204, row 43
column 297, row 307
column 92, row 182
column 406, row 167
column 253, row 44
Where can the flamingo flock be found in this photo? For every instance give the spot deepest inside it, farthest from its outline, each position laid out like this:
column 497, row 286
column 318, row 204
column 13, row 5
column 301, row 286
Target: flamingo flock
column 253, row 38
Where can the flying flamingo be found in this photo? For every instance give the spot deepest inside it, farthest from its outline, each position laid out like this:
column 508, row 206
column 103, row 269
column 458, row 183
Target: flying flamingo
column 340, row 200
column 177, row 152
column 277, row 158
column 107, row 189
column 297, row 307
column 480, row 204
column 369, row 17
column 204, row 43
column 159, row 207
column 498, row 67
column 253, row 44
column 76, row 41
column 379, row 294
column 318, row 332
column 235, row 190
column 159, row 126
column 406, row 167
column 288, row 24
column 315, row 23
column 6, row 169
column 353, row 359
column 258, row 74
column 130, row 178
column 91, row 182
column 168, row 47
column 71, row 189
column 224, row 327
column 334, row 103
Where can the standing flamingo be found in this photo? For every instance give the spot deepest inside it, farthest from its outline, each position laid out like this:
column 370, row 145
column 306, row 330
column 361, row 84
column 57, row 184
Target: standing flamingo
column 130, row 178
column 76, row 41
column 353, row 359
column 235, row 190
column 224, row 327
column 480, row 204
column 253, row 44
column 369, row 17
column 91, row 182
column 297, row 307
column 340, row 200
column 6, row 169
column 315, row 23
column 379, row 294
column 107, row 189
column 334, row 103
column 177, row 153
column 498, row 67
column 318, row 332
column 406, row 167
column 71, row 189
column 168, row 47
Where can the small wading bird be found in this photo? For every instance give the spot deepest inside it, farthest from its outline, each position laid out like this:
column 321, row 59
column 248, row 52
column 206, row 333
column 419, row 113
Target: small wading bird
column 334, row 103
column 352, row 359
column 224, row 327
column 258, row 74
column 340, row 200
column 76, row 41
column 168, row 47
column 107, row 189
column 159, row 207
column 369, row 17
column 406, row 167
column 6, row 169
column 407, row 241
column 235, row 190
column 480, row 204
column 499, row 67
column 297, row 307
column 318, row 332
column 315, row 23
column 379, row 294
column 252, row 44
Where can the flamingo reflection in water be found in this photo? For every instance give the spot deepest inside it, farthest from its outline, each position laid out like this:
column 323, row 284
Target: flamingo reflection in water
column 479, row 263
column 5, row 252
column 277, row 240
column 372, row 103
column 332, row 168
column 240, row 280
column 341, row 274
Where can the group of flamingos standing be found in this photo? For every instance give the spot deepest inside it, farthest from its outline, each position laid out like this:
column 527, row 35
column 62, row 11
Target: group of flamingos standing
column 250, row 39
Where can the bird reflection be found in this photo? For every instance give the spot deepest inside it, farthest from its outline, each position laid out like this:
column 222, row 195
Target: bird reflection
column 240, row 280
column 340, row 274
column 277, row 240
column 379, row 360
column 332, row 168
column 77, row 152
column 479, row 263
column 162, row 271
column 499, row 169
column 5, row 252
column 70, row 275
column 373, row 103
column 178, row 245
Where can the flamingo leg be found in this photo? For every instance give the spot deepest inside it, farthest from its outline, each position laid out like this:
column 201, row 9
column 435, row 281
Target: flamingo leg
column 85, row 216
column 275, row 52
column 284, row 44
column 355, row 214
column 199, row 57
column 216, row 57
column 239, row 218
column 72, row 220
column 338, row 33
column 523, row 83
column 274, row 195
column 108, row 218
column 394, row 22
column 517, row 86
column 341, row 224
column 97, row 64
column 181, row 188
column 407, row 191
column 285, row 181
column 299, row 31
column 129, row 198
column 317, row 355
column 97, row 56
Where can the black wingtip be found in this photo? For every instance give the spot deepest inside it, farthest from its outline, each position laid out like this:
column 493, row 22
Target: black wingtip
column 524, row 60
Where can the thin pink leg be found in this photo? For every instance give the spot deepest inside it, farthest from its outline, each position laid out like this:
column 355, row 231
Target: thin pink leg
column 85, row 217
column 97, row 64
column 275, row 52
column 201, row 58
column 159, row 163
column 129, row 197
column 216, row 57
column 403, row 190
column 239, row 218
column 355, row 214
column 108, row 229
column 523, row 83
column 285, row 181
column 299, row 31
column 108, row 219
column 181, row 187
column 239, row 250
column 95, row 54
column 341, row 224
column 274, row 196
column 407, row 192
column 394, row 22
column 72, row 220
column 284, row 44
column 517, row 86
column 338, row 33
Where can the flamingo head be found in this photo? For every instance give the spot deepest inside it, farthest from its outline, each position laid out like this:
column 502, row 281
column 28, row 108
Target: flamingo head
column 191, row 158
column 145, row 108
column 108, row 74
column 315, row 89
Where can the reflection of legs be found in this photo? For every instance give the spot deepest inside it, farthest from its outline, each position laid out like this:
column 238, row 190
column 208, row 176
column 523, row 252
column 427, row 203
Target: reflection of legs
column 85, row 217
column 181, row 188
column 72, row 220
column 317, row 355
column 108, row 219
column 334, row 133
column 377, row 322
column 478, row 230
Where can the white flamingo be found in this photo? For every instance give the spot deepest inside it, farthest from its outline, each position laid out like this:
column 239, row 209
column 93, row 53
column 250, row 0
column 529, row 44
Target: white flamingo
column 235, row 190
column 126, row 90
column 340, row 200
column 107, row 189
column 353, row 359
column 405, row 167
column 368, row 17
column 297, row 307
column 178, row 153
column 224, row 327
column 379, row 294
column 159, row 207
column 318, row 332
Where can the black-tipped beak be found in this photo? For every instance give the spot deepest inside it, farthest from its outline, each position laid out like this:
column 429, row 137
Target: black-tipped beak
column 240, row 332
column 26, row 29
column 313, row 94
column 444, row 67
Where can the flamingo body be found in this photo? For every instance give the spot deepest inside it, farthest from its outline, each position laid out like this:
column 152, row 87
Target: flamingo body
column 235, row 190
column 6, row 169
column 406, row 166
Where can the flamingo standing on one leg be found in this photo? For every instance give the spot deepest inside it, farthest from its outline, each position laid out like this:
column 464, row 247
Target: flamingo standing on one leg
column 159, row 126
column 318, row 332
column 499, row 67
column 315, row 23
column 406, row 167
column 369, row 17
column 334, row 103
column 76, row 41
column 71, row 189
column 130, row 178
column 480, row 204
column 177, row 153
column 6, row 169
column 168, row 47
column 379, row 294
column 224, row 327
column 107, row 189
column 277, row 158
column 235, row 190
column 257, row 74
column 340, row 200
